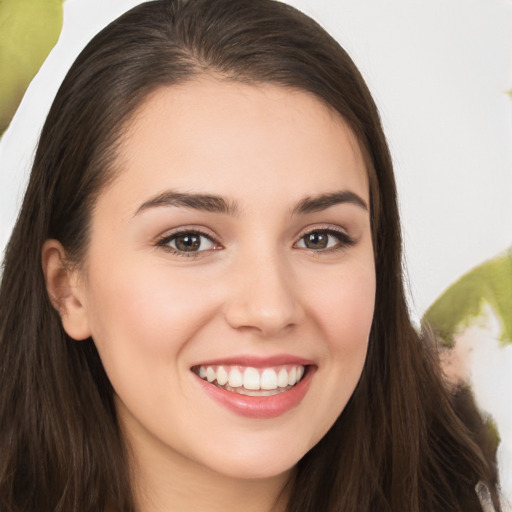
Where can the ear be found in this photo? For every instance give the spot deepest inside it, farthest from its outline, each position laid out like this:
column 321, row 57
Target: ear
column 65, row 289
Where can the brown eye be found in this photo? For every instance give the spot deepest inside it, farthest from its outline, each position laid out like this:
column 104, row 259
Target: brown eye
column 325, row 240
column 188, row 241
column 316, row 240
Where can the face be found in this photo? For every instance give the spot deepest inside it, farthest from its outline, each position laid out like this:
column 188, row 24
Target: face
column 229, row 284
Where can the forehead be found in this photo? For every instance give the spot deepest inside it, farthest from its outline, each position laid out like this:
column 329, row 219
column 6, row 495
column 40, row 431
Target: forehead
column 233, row 138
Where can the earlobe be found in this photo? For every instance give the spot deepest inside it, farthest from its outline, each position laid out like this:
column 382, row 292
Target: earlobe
column 64, row 290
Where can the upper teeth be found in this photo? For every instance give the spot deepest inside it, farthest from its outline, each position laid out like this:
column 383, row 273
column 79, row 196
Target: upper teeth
column 252, row 378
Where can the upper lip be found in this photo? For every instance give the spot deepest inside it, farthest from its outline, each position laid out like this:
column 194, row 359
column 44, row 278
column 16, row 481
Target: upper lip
column 257, row 361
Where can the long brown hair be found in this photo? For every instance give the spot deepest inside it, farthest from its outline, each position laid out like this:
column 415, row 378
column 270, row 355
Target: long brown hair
column 397, row 446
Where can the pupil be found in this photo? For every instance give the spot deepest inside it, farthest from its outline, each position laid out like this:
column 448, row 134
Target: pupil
column 188, row 242
column 316, row 241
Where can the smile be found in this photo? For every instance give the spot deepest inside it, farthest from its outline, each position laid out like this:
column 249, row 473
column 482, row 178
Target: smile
column 252, row 381
column 254, row 387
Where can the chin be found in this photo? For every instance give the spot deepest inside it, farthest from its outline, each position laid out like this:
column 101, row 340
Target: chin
column 259, row 460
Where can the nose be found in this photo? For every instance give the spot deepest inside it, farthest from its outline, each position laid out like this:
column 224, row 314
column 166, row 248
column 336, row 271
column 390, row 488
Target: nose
column 263, row 297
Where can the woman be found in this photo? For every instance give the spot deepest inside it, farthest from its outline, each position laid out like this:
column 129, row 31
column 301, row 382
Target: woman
column 202, row 299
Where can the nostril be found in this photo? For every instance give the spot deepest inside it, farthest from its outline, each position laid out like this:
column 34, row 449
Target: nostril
column 269, row 321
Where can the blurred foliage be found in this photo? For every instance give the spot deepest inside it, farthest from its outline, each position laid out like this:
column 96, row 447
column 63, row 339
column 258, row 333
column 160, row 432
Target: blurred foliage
column 29, row 30
column 489, row 283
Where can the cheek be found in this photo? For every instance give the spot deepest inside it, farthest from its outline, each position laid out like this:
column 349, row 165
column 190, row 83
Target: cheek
column 342, row 306
column 142, row 319
column 345, row 308
column 144, row 311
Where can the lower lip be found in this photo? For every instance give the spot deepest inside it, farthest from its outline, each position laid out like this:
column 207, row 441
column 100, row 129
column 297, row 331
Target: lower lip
column 261, row 407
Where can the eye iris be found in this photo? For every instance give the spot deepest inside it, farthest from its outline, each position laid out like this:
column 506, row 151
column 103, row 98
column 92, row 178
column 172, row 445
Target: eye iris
column 316, row 240
column 189, row 242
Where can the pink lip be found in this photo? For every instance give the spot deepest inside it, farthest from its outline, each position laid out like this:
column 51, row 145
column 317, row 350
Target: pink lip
column 257, row 361
column 260, row 407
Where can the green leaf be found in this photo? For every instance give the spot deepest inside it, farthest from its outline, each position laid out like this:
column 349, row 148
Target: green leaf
column 489, row 283
column 30, row 29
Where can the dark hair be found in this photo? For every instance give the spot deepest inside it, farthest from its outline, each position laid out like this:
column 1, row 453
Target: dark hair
column 397, row 446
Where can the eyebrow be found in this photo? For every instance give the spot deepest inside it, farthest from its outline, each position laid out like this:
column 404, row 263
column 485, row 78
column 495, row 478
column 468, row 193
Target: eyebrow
column 203, row 202
column 324, row 201
column 217, row 204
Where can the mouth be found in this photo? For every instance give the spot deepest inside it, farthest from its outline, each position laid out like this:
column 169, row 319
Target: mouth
column 256, row 388
column 251, row 381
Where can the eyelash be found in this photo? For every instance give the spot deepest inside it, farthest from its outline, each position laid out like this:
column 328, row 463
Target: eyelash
column 167, row 239
column 344, row 241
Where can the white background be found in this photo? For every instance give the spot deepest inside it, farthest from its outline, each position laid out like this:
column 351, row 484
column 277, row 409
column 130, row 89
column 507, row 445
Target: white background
column 439, row 71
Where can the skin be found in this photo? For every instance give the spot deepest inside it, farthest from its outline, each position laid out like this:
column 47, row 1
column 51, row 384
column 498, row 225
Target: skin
column 256, row 288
